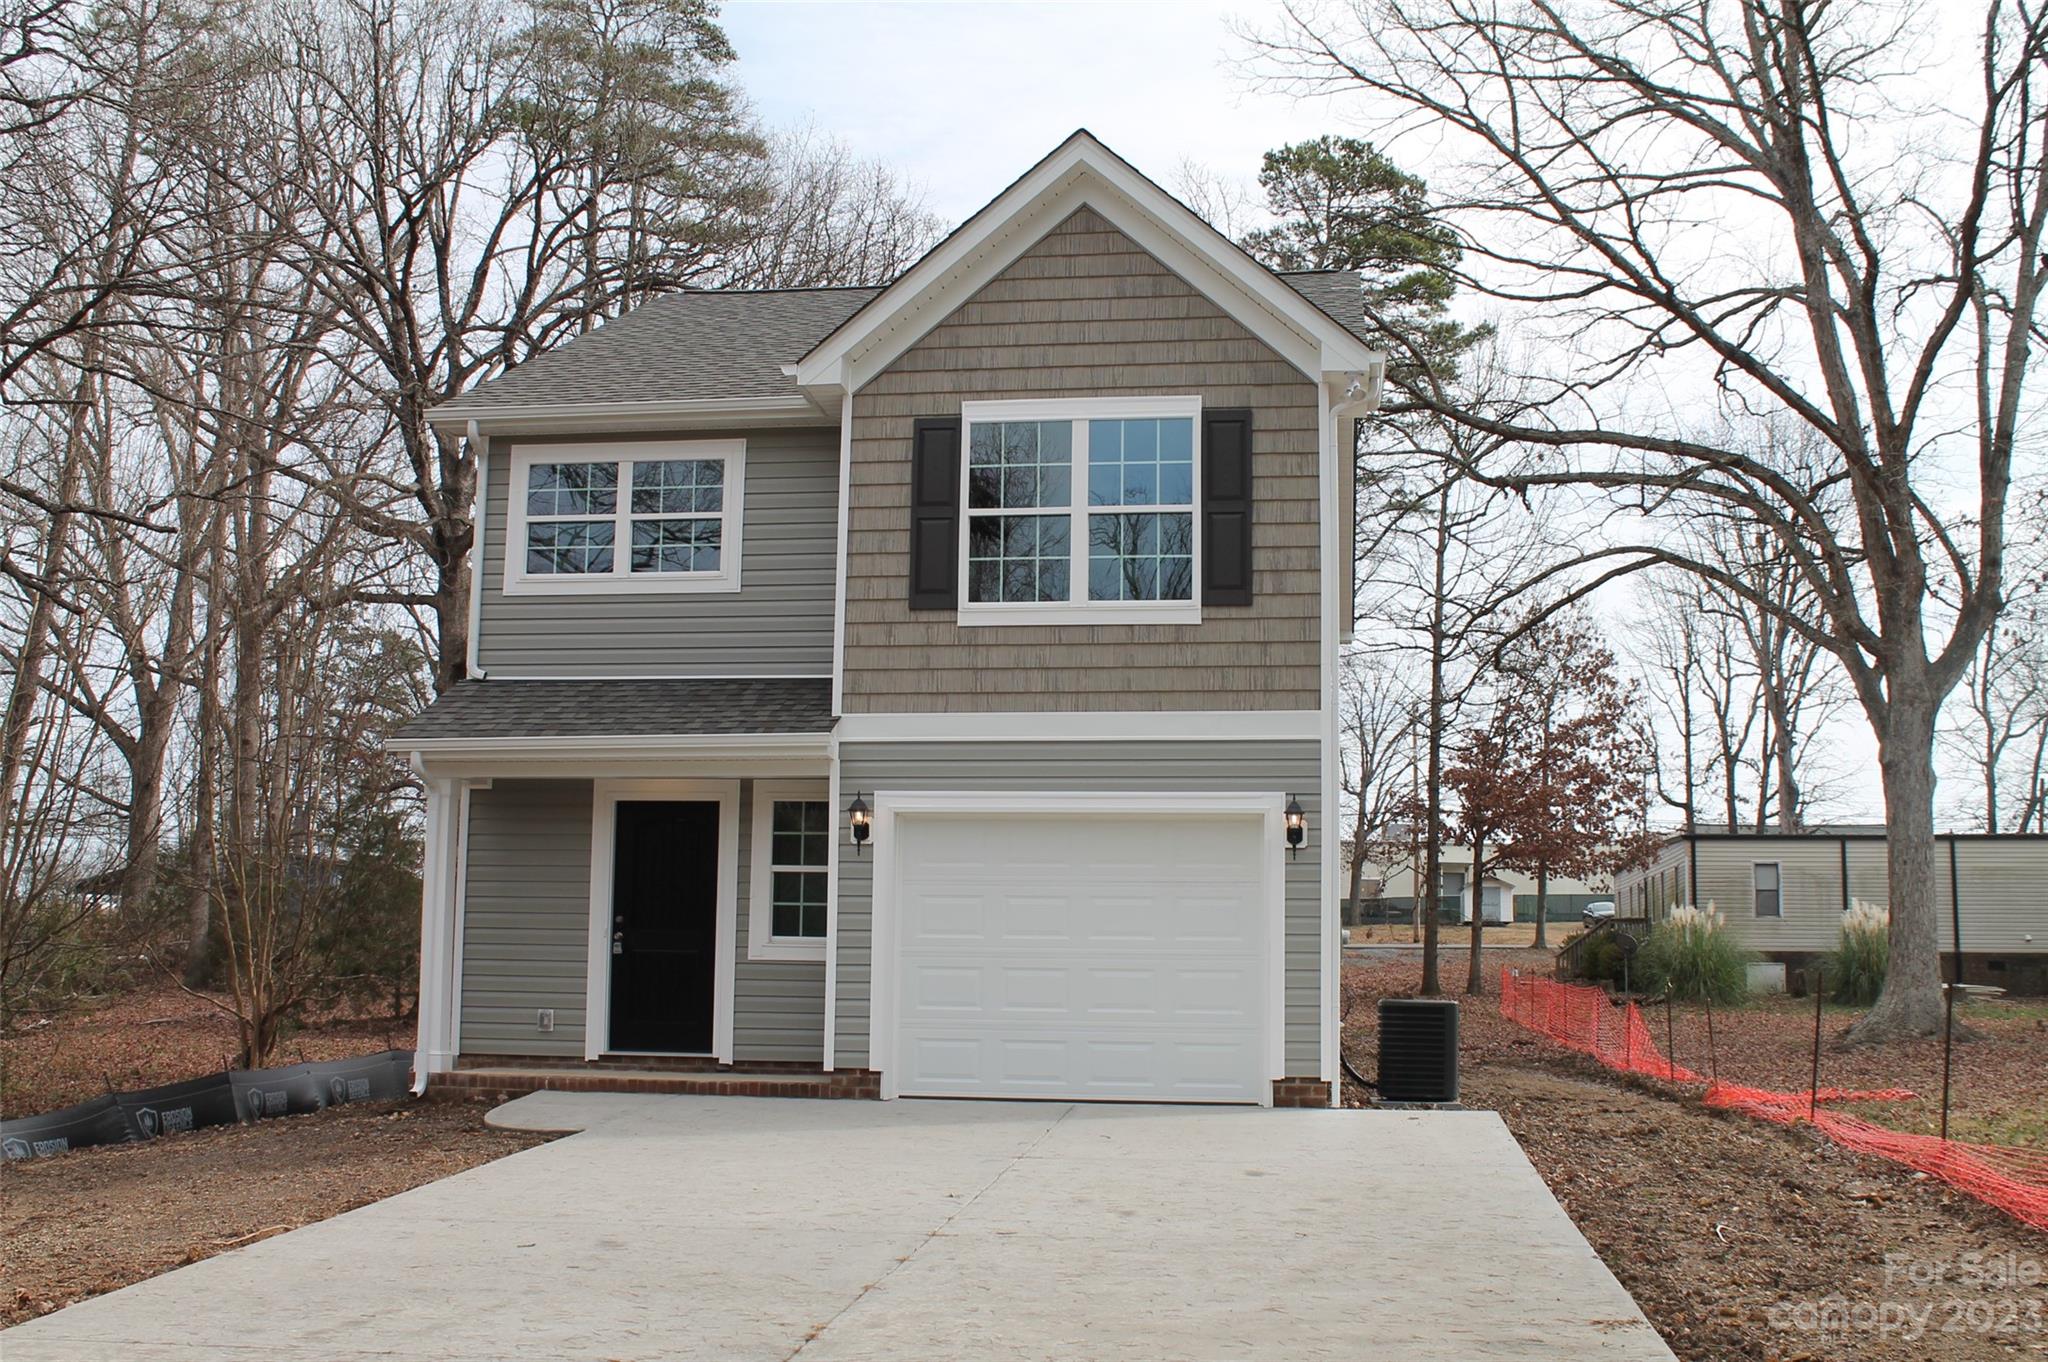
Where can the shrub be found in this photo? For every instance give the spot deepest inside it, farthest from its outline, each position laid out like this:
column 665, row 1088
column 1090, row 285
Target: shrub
column 1600, row 961
column 1855, row 968
column 1691, row 956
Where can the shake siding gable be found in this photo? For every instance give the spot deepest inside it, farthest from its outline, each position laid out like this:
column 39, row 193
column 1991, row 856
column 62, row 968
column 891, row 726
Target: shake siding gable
column 1085, row 313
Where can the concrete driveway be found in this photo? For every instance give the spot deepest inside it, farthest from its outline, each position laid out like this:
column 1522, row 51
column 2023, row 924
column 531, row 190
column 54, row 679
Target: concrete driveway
column 728, row 1228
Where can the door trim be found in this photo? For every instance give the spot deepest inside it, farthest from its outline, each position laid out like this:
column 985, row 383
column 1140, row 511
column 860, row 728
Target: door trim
column 889, row 806
column 597, row 999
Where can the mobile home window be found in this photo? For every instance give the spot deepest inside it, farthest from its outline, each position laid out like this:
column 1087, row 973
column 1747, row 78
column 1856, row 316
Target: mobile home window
column 1769, row 902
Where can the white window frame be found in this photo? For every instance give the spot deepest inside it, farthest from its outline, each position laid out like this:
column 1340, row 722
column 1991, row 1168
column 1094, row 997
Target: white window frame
column 1778, row 873
column 517, row 581
column 762, row 943
column 1077, row 608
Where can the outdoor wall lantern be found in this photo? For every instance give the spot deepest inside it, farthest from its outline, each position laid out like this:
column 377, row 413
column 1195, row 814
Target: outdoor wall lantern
column 1297, row 825
column 860, row 821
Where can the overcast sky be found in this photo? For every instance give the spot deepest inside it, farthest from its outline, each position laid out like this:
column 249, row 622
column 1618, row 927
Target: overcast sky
column 962, row 98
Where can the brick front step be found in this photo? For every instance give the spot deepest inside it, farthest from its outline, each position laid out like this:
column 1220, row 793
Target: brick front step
column 694, row 1064
column 505, row 1083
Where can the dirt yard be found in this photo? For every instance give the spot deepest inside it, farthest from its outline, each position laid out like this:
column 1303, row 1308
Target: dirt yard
column 1747, row 1240
column 152, row 1036
column 96, row 1219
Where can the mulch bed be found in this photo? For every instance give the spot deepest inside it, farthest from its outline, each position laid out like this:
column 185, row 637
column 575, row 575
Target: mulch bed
column 1746, row 1240
column 94, row 1220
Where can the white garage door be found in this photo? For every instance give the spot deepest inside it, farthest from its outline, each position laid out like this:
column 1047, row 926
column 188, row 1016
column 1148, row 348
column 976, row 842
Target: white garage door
column 1105, row 956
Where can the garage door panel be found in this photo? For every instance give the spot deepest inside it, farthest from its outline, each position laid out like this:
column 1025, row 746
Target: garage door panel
column 1200, row 1066
column 1112, row 957
column 947, row 988
column 1028, row 918
column 1035, row 989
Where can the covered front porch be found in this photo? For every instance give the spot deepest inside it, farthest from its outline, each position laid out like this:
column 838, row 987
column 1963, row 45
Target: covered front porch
column 628, row 886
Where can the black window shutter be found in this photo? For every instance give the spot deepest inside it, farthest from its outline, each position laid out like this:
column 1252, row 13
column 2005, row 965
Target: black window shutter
column 935, row 513
column 1227, row 507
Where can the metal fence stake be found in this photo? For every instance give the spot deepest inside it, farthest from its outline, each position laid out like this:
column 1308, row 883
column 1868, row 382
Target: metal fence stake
column 1820, row 977
column 1670, row 1042
column 1713, row 1049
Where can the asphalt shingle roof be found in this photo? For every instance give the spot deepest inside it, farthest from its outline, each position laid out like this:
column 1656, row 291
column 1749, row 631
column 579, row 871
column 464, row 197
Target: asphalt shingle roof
column 621, row 709
column 692, row 344
column 1337, row 294
column 707, row 344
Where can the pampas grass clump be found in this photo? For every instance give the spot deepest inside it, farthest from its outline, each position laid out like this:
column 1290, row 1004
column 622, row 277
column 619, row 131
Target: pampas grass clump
column 1692, row 957
column 1855, row 968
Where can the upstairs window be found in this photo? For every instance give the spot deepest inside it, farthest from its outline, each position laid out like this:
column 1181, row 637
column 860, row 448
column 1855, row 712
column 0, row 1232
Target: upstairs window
column 1080, row 511
column 660, row 517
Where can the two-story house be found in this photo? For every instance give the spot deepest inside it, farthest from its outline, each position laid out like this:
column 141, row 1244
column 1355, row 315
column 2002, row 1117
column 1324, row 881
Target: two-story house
column 919, row 690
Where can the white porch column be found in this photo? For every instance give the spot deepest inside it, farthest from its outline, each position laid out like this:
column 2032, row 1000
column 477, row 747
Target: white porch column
column 434, row 1051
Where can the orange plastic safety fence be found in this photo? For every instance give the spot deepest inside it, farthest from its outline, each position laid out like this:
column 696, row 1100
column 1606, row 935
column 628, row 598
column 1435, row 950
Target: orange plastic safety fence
column 2014, row 1180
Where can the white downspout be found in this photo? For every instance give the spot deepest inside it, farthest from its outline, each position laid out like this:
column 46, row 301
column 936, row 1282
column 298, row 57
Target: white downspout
column 480, row 523
column 1360, row 397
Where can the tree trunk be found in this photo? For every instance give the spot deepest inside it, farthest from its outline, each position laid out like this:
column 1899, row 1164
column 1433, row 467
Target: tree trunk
column 1475, row 970
column 1357, row 861
column 145, row 820
column 451, row 538
column 1433, row 855
column 1542, row 904
column 1911, row 1003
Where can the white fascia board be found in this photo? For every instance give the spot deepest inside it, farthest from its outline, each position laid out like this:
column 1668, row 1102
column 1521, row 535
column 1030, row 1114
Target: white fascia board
column 622, row 746
column 556, row 418
column 1082, row 171
column 1087, row 726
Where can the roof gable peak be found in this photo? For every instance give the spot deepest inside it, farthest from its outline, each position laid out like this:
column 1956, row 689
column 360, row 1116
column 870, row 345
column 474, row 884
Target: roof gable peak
column 1082, row 172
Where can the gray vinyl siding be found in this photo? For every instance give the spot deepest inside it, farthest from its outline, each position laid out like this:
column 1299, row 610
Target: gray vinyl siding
column 1086, row 312
column 2004, row 884
column 526, row 917
column 1220, row 767
column 778, row 1006
column 526, row 924
column 779, row 623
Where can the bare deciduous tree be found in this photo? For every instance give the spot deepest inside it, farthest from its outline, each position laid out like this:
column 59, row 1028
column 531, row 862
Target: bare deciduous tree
column 1879, row 291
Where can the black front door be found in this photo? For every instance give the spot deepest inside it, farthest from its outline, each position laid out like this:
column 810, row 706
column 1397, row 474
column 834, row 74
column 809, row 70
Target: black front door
column 664, row 925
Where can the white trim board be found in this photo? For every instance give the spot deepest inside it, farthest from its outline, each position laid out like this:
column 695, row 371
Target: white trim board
column 1335, row 616
column 597, row 996
column 1193, row 725
column 704, row 413
column 479, row 530
column 782, row 743
column 889, row 807
column 839, row 555
column 662, row 676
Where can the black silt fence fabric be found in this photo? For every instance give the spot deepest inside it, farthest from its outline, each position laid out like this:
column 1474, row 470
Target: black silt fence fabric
column 214, row 1100
column 208, row 1101
column 100, row 1121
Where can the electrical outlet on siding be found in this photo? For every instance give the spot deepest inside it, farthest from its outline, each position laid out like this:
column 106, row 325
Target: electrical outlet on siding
column 545, row 1021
